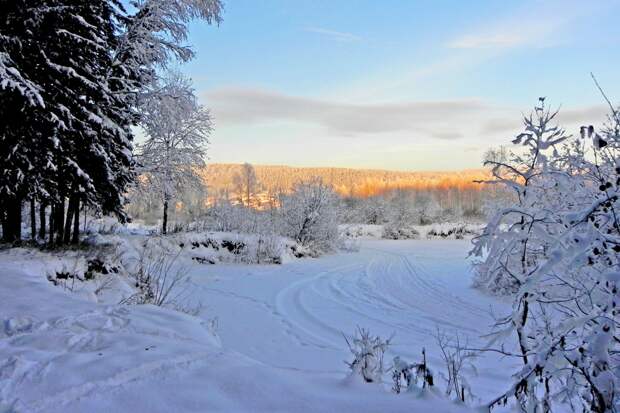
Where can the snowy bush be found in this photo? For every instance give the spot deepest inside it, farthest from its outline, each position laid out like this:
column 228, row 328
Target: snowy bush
column 66, row 271
column 412, row 376
column 161, row 280
column 368, row 351
column 214, row 247
column 361, row 231
column 452, row 230
column 394, row 231
column 556, row 250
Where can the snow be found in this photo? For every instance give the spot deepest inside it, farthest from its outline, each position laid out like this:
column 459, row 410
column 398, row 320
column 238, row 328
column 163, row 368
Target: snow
column 278, row 344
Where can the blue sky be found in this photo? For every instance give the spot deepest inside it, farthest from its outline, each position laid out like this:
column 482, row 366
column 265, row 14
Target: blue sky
column 412, row 85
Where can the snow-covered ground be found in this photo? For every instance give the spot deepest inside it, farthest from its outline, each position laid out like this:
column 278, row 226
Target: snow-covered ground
column 280, row 328
column 294, row 316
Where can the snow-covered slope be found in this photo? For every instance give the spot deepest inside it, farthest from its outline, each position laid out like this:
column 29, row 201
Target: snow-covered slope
column 61, row 352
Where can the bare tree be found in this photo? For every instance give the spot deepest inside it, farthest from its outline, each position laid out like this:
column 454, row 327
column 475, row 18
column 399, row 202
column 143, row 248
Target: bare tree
column 456, row 358
column 245, row 183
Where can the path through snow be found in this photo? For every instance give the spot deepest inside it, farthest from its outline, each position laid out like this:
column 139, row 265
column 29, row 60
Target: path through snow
column 280, row 327
column 293, row 316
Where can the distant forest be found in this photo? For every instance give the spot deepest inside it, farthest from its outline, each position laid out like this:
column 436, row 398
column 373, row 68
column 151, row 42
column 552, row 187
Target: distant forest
column 346, row 181
column 456, row 190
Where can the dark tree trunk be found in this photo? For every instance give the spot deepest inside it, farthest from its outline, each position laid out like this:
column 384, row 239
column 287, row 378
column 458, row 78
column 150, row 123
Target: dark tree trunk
column 33, row 220
column 17, row 219
column 69, row 219
column 164, row 226
column 59, row 221
column 12, row 221
column 5, row 222
column 42, row 207
column 52, row 223
column 76, row 221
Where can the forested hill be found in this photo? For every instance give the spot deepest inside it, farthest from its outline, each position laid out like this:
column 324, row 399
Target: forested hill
column 347, row 181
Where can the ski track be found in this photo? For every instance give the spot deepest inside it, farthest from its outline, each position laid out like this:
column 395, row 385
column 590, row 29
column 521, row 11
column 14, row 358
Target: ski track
column 383, row 288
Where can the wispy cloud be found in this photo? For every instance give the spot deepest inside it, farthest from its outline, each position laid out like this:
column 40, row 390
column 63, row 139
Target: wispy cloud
column 513, row 32
column 428, row 118
column 493, row 40
column 336, row 35
column 539, row 24
column 470, row 120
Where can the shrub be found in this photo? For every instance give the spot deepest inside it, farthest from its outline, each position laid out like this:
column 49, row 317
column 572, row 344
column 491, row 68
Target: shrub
column 368, row 351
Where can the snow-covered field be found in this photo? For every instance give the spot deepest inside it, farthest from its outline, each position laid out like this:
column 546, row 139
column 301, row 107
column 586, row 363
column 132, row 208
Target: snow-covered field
column 277, row 345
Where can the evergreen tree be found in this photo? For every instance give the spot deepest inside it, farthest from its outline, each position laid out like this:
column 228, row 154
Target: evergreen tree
column 72, row 73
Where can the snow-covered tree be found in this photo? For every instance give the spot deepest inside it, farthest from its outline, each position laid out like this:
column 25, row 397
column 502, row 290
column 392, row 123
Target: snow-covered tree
column 374, row 210
column 309, row 215
column 151, row 34
column 400, row 216
column 514, row 248
column 73, row 142
column 177, row 129
column 557, row 250
column 71, row 76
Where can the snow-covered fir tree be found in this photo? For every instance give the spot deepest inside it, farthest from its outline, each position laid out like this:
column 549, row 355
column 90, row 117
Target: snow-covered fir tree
column 72, row 75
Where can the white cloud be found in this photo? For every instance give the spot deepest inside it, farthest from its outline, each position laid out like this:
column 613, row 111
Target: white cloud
column 436, row 119
column 336, row 35
column 467, row 120
column 494, row 40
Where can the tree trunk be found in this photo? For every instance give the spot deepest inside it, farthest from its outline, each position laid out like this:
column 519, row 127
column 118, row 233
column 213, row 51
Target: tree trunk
column 164, row 226
column 12, row 222
column 42, row 208
column 5, row 222
column 69, row 219
column 17, row 217
column 52, row 223
column 60, row 221
column 76, row 222
column 33, row 221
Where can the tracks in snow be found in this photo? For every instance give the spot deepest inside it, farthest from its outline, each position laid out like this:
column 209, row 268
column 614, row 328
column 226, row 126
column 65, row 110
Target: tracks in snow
column 386, row 292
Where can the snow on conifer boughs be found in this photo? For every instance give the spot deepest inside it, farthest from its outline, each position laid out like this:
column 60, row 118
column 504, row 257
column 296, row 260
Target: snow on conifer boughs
column 557, row 249
column 62, row 48
column 72, row 74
